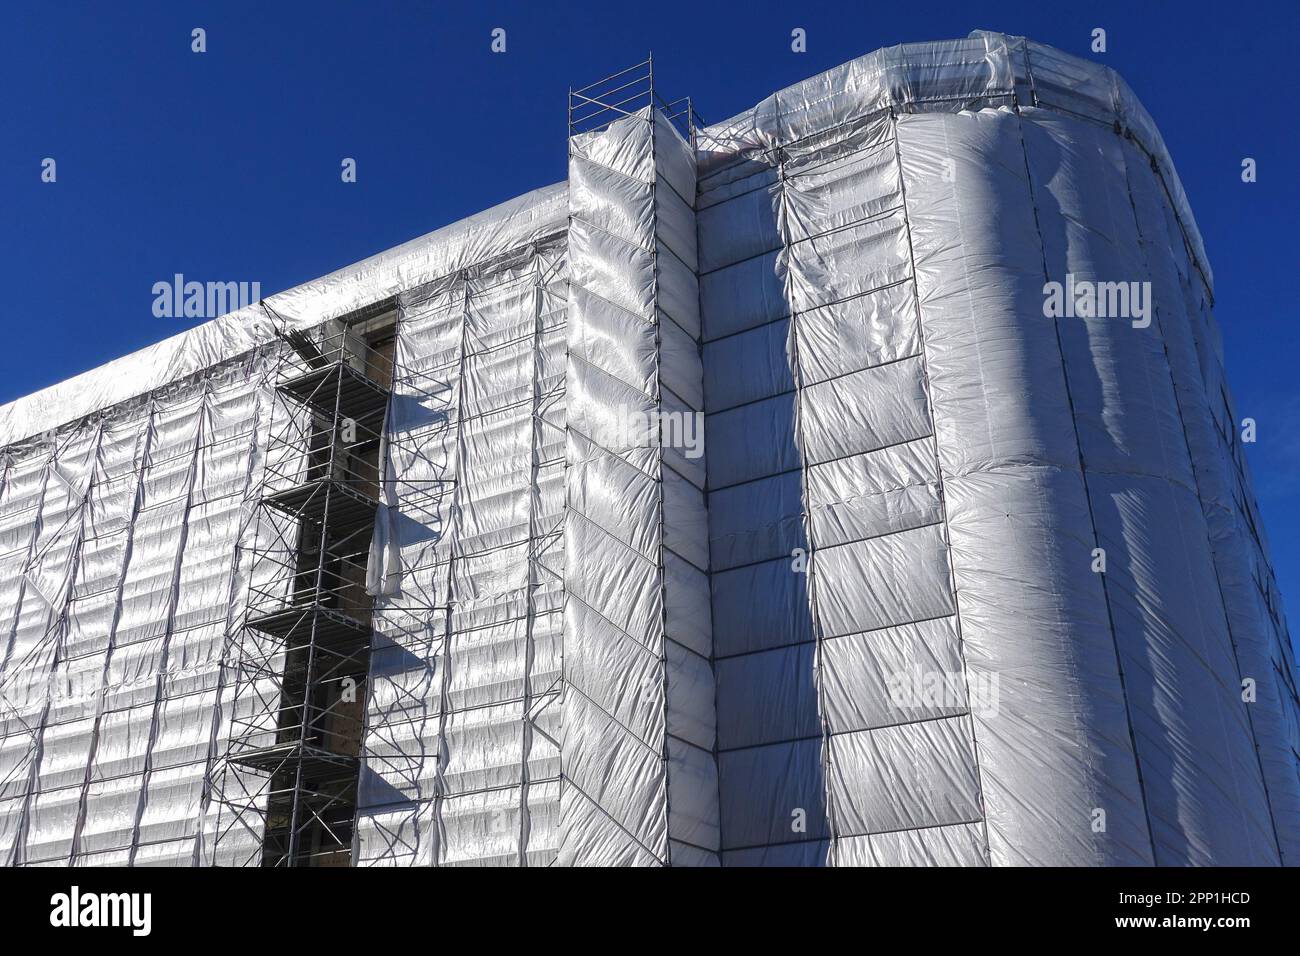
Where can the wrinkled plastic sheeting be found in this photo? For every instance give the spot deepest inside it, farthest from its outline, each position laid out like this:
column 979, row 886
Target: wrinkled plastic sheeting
column 1149, row 637
column 124, row 591
column 831, row 574
column 985, row 70
column 459, row 761
column 1182, row 672
column 122, row 588
column 638, row 727
column 872, row 298
column 1015, row 499
column 1251, row 600
column 865, row 629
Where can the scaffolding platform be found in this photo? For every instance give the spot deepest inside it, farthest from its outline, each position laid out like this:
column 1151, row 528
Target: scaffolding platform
column 302, row 654
column 339, row 500
column 337, row 385
column 318, row 764
column 323, row 626
column 307, row 634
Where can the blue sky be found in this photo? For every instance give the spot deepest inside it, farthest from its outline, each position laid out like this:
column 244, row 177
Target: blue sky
column 225, row 165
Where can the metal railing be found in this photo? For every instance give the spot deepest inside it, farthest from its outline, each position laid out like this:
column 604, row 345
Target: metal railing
column 627, row 93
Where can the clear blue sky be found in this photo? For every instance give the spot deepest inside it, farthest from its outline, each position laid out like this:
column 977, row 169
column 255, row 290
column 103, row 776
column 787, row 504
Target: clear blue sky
column 225, row 165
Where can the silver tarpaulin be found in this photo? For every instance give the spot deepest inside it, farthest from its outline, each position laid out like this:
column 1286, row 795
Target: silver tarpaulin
column 744, row 501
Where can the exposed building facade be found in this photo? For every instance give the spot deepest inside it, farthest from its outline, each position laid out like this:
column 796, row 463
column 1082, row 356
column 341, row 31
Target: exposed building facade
column 851, row 482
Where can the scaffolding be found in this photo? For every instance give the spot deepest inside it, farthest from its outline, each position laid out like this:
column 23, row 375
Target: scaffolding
column 637, row 676
column 273, row 594
column 289, row 777
column 628, row 93
column 460, row 750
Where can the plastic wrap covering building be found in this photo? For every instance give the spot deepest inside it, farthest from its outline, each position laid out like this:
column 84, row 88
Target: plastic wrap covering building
column 741, row 501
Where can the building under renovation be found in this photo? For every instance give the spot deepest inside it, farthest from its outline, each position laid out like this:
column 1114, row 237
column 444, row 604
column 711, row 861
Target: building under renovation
column 743, row 500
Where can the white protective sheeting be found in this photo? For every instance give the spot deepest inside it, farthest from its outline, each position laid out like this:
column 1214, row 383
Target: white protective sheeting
column 127, row 538
column 126, row 582
column 459, row 760
column 637, row 731
column 941, row 459
column 833, row 574
column 871, row 627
